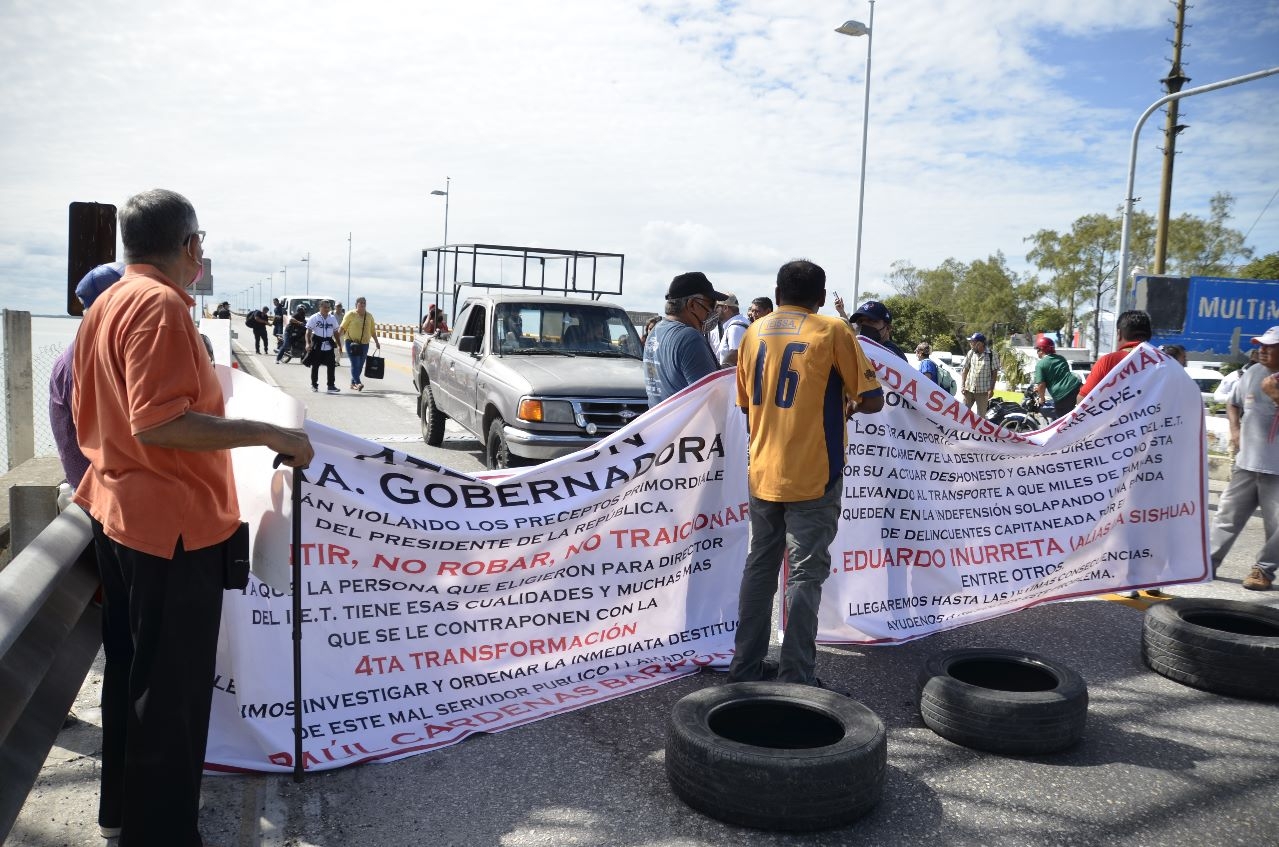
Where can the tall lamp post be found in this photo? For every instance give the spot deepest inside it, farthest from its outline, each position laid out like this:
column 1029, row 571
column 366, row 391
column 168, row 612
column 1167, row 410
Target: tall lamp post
column 348, row 268
column 856, row 28
column 445, row 194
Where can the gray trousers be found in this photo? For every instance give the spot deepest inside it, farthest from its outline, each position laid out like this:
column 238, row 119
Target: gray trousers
column 804, row 530
column 1244, row 493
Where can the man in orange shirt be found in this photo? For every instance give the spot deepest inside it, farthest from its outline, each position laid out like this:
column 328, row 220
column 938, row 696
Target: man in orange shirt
column 800, row 376
column 149, row 418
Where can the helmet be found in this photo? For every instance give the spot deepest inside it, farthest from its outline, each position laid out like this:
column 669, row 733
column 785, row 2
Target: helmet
column 1045, row 344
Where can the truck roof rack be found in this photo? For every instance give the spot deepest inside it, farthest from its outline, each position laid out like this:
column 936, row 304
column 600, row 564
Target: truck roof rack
column 533, row 269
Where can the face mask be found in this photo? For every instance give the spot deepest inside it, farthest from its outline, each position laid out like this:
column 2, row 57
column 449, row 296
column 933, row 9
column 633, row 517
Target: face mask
column 199, row 275
column 868, row 331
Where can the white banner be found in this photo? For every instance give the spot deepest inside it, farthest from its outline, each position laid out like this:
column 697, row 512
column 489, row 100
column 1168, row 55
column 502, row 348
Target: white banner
column 437, row 604
column 948, row 520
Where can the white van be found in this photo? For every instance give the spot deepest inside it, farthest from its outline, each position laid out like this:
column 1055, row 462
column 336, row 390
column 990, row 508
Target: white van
column 309, row 302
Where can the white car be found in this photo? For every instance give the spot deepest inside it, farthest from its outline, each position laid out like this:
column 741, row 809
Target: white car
column 1208, row 381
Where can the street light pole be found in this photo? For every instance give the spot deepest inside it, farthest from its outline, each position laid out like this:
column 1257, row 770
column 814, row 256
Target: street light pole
column 348, row 268
column 445, row 195
column 856, row 28
column 1125, row 230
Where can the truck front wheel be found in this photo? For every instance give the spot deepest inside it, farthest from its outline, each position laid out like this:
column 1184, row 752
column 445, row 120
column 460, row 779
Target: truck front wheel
column 497, row 453
column 432, row 419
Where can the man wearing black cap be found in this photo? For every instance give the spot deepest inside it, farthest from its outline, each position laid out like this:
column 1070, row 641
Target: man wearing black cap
column 874, row 321
column 676, row 353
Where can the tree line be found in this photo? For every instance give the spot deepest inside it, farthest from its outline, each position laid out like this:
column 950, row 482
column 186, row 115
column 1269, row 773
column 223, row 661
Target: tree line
column 1075, row 278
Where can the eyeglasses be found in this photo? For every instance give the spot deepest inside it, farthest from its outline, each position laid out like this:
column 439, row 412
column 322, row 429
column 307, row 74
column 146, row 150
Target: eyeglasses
column 198, row 232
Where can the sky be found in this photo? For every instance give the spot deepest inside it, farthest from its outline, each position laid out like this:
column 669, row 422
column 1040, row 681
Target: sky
column 715, row 136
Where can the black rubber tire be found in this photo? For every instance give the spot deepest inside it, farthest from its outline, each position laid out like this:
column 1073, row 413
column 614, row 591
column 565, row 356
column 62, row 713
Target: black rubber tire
column 1223, row 646
column 776, row 756
column 1003, row 701
column 432, row 419
column 1021, row 422
column 497, row 453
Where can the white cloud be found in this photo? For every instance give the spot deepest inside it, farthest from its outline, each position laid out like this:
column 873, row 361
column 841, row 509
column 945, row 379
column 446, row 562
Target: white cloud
column 684, row 134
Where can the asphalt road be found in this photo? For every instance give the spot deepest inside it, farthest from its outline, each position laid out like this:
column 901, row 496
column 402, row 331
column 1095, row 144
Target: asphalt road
column 1160, row 763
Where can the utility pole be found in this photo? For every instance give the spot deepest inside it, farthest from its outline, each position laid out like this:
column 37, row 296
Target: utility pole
column 1172, row 84
column 348, row 269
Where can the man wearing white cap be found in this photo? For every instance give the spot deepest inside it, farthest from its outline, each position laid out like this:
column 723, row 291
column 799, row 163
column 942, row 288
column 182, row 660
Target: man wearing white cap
column 728, row 335
column 1253, row 412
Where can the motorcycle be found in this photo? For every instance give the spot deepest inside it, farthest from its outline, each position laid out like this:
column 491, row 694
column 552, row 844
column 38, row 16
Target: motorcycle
column 1027, row 416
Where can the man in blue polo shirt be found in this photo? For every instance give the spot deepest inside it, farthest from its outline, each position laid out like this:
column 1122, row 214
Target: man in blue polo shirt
column 676, row 353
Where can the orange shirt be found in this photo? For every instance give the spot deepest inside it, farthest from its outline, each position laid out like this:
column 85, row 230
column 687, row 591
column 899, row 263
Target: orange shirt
column 1105, row 365
column 139, row 362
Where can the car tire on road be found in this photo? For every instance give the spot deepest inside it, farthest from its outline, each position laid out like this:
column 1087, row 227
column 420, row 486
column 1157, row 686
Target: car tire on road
column 432, row 419
column 1003, row 701
column 497, row 453
column 1223, row 646
column 776, row 756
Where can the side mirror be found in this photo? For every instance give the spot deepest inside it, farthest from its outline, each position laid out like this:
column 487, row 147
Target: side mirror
column 469, row 343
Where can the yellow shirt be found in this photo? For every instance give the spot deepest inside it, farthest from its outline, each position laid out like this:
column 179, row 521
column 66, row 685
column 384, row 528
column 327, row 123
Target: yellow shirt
column 794, row 370
column 365, row 322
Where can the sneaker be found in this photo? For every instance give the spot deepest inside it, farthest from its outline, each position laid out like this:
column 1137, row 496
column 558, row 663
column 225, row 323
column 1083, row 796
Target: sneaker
column 354, row 387
column 1155, row 592
column 359, row 386
column 333, row 389
column 1257, row 580
column 315, row 388
column 109, row 831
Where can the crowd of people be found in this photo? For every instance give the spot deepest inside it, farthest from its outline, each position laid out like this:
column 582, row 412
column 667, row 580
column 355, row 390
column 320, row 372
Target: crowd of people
column 138, row 416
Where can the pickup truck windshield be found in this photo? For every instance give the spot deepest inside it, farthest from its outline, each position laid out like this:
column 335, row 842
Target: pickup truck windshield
column 531, row 328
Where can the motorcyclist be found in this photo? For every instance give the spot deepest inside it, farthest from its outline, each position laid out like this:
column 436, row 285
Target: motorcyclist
column 1054, row 377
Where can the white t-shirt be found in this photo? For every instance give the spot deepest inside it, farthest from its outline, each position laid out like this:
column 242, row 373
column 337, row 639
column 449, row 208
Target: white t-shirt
column 730, row 337
column 323, row 327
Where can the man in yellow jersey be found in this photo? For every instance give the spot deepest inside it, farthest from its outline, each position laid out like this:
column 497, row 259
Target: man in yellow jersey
column 800, row 376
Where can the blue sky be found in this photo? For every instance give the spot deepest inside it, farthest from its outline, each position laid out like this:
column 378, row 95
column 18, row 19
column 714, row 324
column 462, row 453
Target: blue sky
column 688, row 135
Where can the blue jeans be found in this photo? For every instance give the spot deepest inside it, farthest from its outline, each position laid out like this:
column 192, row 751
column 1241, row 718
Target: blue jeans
column 804, row 530
column 357, row 353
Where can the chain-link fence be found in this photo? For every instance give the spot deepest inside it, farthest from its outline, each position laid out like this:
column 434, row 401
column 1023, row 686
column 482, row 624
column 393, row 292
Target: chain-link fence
column 42, row 360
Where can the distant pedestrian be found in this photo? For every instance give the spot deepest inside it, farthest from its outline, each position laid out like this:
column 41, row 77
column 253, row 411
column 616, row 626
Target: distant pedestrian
column 927, row 366
column 800, row 377
column 759, row 307
column 278, row 314
column 357, row 330
column 874, row 321
column 1133, row 329
column 294, row 328
column 223, row 311
column 1054, row 377
column 677, row 353
column 648, row 328
column 1253, row 413
column 258, row 321
column 727, row 336
column 321, row 343
column 1176, row 351
column 979, row 374
column 150, row 419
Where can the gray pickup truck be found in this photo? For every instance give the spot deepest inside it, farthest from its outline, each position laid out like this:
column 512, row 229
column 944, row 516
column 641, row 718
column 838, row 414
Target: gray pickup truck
column 532, row 376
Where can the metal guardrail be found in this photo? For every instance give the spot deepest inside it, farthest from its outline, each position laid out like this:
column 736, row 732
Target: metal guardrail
column 50, row 633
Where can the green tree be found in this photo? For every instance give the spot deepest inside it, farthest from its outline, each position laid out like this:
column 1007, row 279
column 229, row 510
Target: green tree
column 915, row 319
column 1198, row 247
column 1048, row 319
column 990, row 297
column 1267, row 267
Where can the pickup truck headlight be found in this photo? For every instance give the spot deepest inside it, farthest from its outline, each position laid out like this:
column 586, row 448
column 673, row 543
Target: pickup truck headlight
column 546, row 411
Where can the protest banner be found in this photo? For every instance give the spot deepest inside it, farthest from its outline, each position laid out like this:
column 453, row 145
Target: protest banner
column 437, row 604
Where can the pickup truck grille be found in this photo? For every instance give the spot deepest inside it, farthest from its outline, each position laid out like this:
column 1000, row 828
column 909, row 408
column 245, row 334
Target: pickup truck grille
column 608, row 414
